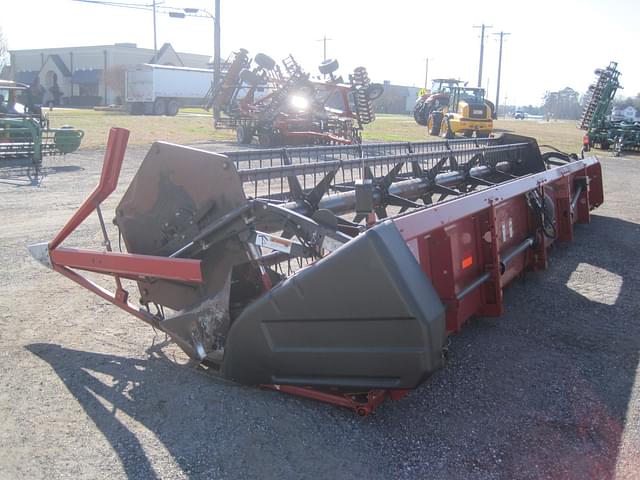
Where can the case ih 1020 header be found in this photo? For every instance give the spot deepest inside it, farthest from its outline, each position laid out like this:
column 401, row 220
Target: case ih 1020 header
column 329, row 272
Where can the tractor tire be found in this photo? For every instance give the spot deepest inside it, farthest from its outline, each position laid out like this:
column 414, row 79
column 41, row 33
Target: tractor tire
column 445, row 129
column 250, row 77
column 420, row 117
column 173, row 107
column 328, row 66
column 375, row 91
column 265, row 61
column 266, row 139
column 160, row 107
column 421, row 113
column 244, row 134
column 435, row 123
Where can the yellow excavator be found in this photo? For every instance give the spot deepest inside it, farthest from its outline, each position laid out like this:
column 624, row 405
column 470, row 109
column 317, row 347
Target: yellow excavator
column 467, row 112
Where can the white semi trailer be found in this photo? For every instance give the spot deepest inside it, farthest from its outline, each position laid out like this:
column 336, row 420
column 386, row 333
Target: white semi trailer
column 163, row 89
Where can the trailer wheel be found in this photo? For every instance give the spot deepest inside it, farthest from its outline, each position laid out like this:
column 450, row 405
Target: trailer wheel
column 173, row 108
column 265, row 61
column 135, row 108
column 328, row 66
column 244, row 134
column 159, row 107
column 435, row 123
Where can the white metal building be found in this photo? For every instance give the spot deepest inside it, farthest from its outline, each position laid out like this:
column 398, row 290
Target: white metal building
column 92, row 75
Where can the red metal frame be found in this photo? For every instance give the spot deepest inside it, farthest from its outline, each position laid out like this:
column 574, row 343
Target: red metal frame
column 362, row 403
column 128, row 264
column 64, row 260
column 458, row 241
column 249, row 108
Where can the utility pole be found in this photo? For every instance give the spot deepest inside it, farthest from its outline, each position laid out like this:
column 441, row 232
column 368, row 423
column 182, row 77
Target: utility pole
column 216, row 50
column 155, row 37
column 482, row 27
column 502, row 34
column 324, row 44
column 426, row 74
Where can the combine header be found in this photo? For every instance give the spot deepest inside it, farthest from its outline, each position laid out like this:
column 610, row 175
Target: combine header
column 332, row 272
column 601, row 130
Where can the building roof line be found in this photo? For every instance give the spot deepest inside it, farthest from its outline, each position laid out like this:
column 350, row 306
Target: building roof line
column 120, row 47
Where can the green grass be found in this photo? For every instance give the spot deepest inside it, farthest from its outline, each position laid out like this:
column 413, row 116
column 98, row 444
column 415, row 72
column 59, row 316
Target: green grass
column 144, row 129
column 563, row 135
column 187, row 129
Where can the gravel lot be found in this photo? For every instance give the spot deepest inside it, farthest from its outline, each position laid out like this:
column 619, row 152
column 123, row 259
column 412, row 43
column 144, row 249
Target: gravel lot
column 548, row 390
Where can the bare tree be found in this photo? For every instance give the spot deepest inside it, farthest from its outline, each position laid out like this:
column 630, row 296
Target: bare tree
column 114, row 78
column 563, row 104
column 4, row 50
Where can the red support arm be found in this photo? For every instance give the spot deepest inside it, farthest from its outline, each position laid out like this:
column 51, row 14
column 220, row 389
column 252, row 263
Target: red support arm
column 129, row 264
column 113, row 157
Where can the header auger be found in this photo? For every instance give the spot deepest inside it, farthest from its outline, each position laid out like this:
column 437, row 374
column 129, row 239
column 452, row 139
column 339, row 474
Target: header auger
column 331, row 272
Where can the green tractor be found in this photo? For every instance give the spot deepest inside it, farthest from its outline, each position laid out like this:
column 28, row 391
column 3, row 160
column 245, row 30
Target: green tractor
column 25, row 131
column 602, row 131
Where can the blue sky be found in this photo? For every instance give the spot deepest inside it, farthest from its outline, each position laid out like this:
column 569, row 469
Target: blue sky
column 553, row 44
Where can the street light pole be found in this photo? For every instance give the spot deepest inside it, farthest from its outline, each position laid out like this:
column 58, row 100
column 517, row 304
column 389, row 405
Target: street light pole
column 155, row 36
column 216, row 52
column 197, row 12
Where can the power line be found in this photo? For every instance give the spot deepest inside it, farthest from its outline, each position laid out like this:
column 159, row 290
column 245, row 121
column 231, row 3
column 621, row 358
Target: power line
column 483, row 27
column 154, row 7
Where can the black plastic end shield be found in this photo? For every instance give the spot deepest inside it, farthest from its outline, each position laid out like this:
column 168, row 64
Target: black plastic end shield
column 364, row 317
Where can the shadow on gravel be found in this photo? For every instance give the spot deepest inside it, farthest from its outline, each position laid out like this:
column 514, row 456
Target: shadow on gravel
column 210, row 428
column 542, row 392
column 23, row 174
